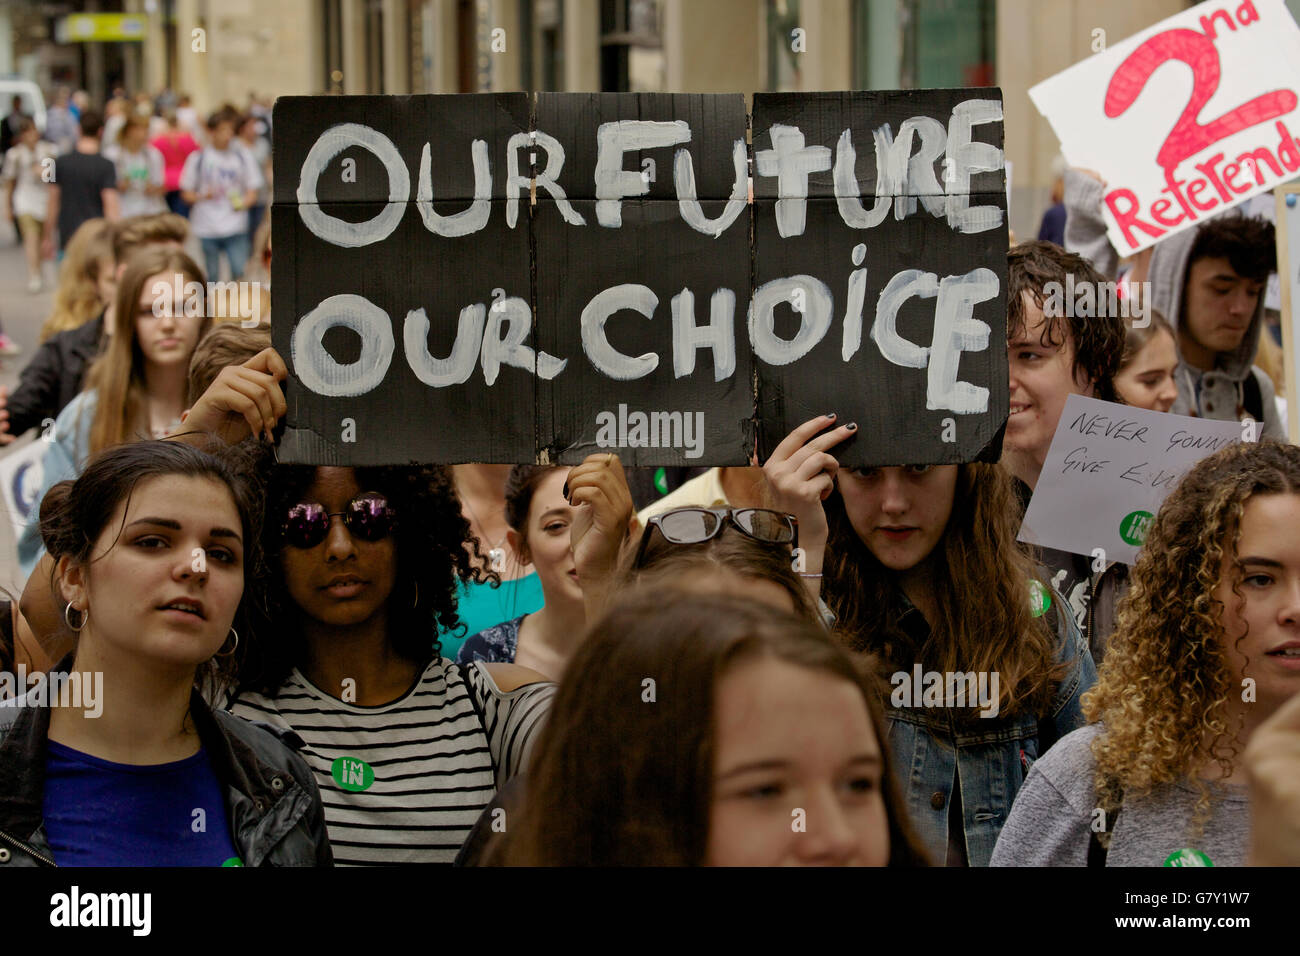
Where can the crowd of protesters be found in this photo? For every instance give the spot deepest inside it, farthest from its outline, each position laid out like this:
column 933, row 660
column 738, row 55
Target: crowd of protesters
column 139, row 156
column 545, row 665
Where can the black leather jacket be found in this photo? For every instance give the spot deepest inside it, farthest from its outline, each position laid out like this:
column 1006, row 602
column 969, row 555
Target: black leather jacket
column 272, row 803
column 54, row 376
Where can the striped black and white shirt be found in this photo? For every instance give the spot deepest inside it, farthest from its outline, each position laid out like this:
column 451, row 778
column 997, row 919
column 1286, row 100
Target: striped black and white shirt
column 405, row 781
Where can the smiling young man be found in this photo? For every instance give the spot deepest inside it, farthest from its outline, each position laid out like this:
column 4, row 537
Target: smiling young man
column 1209, row 281
column 1051, row 357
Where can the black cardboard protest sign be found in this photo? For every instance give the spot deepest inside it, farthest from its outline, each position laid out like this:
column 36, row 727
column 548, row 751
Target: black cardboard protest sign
column 641, row 304
column 897, row 258
column 357, row 397
column 641, row 278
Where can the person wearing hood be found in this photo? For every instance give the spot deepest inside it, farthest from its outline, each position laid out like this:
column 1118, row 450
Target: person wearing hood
column 1209, row 281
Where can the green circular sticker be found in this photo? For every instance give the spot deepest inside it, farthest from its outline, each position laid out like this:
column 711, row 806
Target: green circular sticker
column 1188, row 857
column 661, row 481
column 233, row 861
column 352, row 774
column 1040, row 599
column 1133, row 529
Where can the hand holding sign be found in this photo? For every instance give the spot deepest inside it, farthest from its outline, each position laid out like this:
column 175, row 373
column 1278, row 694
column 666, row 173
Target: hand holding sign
column 244, row 400
column 598, row 531
column 799, row 476
column 598, row 488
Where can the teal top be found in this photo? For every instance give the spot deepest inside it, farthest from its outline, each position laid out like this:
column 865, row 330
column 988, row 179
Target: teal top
column 481, row 606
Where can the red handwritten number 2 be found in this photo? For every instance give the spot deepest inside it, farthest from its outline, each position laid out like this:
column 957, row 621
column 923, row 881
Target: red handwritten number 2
column 1189, row 137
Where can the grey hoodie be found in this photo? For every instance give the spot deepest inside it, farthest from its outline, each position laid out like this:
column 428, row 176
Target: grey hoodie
column 1221, row 396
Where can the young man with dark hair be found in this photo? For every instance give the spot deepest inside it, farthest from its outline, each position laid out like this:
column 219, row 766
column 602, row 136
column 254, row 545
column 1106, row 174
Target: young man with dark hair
column 84, row 186
column 220, row 182
column 1052, row 353
column 1209, row 281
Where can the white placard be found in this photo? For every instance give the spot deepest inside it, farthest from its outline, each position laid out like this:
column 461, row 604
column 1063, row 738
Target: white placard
column 1185, row 119
column 21, row 473
column 1109, row 468
column 1288, row 275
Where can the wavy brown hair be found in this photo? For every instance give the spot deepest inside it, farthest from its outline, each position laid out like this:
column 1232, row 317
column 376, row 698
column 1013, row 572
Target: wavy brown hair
column 117, row 376
column 76, row 300
column 981, row 579
column 1163, row 688
column 614, row 781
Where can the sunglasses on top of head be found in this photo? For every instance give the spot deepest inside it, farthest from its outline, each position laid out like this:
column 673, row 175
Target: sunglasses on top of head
column 697, row 525
column 368, row 517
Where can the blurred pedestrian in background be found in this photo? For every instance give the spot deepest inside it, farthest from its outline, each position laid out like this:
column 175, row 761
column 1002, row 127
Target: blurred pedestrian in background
column 141, row 170
column 28, row 170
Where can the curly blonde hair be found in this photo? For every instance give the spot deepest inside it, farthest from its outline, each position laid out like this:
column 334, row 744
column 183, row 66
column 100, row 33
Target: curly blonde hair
column 1163, row 690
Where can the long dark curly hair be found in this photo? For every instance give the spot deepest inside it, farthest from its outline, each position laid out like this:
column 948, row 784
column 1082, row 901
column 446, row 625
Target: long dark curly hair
column 434, row 550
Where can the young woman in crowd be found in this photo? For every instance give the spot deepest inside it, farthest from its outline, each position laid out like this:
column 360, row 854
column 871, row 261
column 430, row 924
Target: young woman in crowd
column 407, row 747
column 27, row 169
column 511, row 588
column 924, row 572
column 540, row 519
column 87, row 279
column 711, row 730
column 1146, row 373
column 1207, row 648
column 140, row 170
column 745, row 554
column 153, row 543
column 136, row 389
column 175, row 144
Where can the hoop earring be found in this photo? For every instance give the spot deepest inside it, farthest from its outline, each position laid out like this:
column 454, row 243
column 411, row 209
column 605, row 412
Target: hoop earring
column 416, row 602
column 230, row 653
column 67, row 618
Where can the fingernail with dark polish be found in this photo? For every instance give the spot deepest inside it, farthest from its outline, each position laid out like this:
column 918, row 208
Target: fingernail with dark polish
column 852, row 426
column 830, row 415
column 565, row 491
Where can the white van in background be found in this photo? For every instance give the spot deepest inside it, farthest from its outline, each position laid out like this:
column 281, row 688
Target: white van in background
column 33, row 99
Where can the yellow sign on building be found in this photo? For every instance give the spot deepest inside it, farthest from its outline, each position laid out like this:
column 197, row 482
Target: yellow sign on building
column 102, row 28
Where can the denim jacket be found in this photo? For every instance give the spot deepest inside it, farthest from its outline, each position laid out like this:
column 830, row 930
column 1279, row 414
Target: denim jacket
column 990, row 758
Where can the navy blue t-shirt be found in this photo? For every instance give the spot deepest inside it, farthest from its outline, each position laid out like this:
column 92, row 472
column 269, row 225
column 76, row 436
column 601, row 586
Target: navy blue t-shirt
column 100, row 813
